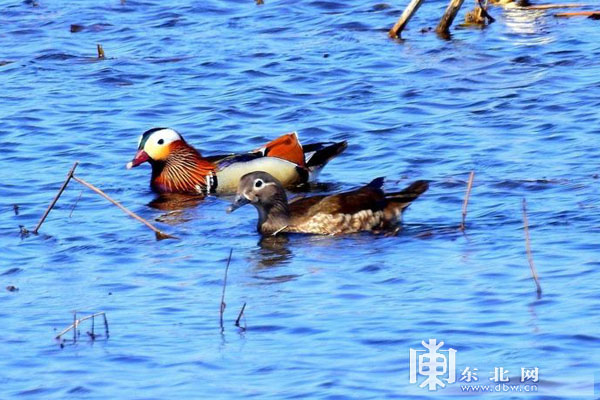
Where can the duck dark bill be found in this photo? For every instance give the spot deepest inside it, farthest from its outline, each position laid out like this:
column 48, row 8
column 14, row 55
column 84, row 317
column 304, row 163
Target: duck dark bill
column 239, row 201
column 140, row 157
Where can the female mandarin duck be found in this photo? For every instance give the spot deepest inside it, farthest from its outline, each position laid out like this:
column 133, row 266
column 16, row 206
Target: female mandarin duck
column 365, row 209
column 177, row 167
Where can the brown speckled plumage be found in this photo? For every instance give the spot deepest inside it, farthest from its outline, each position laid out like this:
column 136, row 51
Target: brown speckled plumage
column 365, row 209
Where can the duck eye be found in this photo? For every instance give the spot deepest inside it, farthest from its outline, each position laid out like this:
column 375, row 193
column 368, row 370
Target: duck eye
column 161, row 141
column 258, row 183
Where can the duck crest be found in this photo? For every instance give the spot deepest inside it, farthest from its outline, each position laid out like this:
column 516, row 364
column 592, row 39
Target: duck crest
column 184, row 171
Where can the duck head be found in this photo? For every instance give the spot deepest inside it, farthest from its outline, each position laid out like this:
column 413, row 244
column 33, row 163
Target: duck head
column 260, row 189
column 154, row 145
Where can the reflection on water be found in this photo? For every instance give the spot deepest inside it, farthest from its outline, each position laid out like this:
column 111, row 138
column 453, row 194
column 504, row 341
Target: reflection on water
column 175, row 201
column 526, row 22
column 272, row 251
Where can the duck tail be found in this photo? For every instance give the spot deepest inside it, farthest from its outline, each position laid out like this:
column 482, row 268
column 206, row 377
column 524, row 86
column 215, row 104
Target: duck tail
column 317, row 155
column 398, row 201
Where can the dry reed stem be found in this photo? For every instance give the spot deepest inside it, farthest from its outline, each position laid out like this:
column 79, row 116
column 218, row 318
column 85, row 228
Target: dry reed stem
column 223, row 305
column 466, row 200
column 60, row 191
column 159, row 234
column 528, row 249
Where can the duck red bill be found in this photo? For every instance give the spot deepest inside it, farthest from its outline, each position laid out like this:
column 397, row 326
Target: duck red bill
column 140, row 157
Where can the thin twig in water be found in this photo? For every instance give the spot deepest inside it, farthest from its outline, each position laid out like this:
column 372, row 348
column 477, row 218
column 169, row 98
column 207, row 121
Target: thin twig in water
column 75, row 205
column 159, row 234
column 60, row 191
column 528, row 249
column 223, row 305
column 77, row 322
column 466, row 200
column 237, row 321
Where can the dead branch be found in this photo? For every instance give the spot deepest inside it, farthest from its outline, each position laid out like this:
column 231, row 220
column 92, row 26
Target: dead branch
column 159, row 234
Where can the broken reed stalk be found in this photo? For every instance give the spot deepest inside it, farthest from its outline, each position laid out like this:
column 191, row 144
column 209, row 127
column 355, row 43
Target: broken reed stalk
column 223, row 305
column 407, row 14
column 100, row 51
column 77, row 322
column 466, row 200
column 159, row 234
column 443, row 28
column 528, row 249
column 237, row 321
column 60, row 191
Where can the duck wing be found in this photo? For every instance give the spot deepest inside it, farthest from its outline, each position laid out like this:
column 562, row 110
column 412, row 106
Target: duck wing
column 369, row 197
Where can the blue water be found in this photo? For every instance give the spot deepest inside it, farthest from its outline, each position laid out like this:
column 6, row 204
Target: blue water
column 326, row 317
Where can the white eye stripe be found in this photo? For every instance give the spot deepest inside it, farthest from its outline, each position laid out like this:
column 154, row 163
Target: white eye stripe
column 259, row 184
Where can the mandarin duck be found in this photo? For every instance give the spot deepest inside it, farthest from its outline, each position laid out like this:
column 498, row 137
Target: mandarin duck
column 178, row 167
column 365, row 209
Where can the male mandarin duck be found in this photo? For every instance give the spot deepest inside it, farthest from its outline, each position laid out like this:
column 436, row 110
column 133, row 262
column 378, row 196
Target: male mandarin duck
column 177, row 167
column 365, row 209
